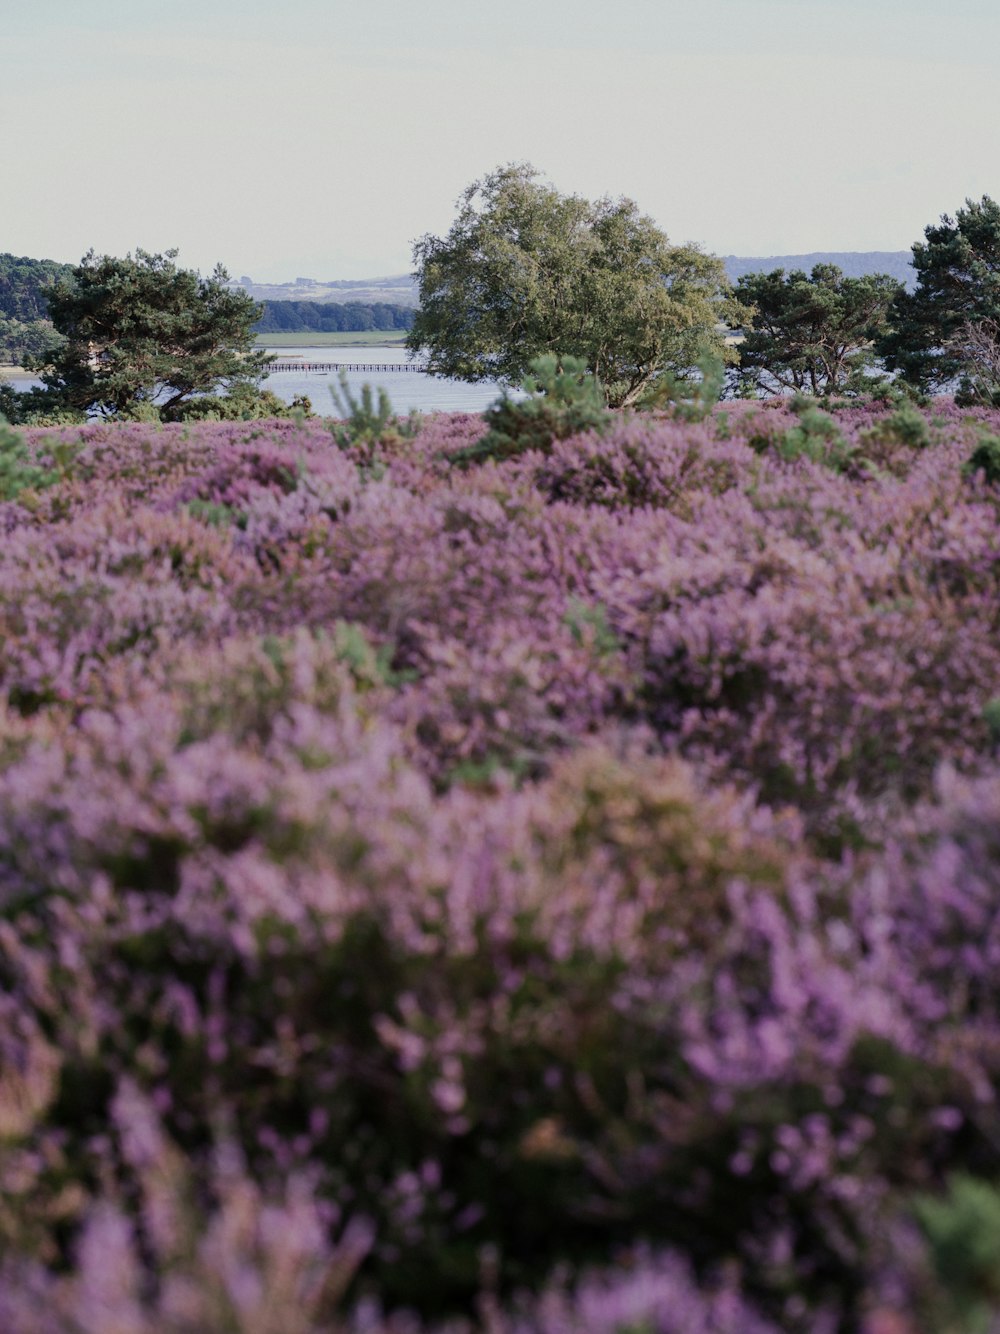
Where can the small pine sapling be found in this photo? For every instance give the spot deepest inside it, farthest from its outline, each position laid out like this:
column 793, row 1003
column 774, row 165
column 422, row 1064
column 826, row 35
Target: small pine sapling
column 562, row 399
column 367, row 421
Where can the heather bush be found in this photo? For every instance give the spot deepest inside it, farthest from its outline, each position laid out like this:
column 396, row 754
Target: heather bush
column 482, row 1024
column 638, row 464
column 557, row 894
column 222, row 1254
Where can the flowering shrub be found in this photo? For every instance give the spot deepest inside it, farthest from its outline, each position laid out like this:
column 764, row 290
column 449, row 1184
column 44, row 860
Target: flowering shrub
column 560, row 894
column 642, row 464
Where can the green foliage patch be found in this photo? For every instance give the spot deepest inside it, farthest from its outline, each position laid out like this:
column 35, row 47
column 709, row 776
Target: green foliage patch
column 985, row 459
column 562, row 399
column 816, row 437
column 20, row 473
column 369, row 420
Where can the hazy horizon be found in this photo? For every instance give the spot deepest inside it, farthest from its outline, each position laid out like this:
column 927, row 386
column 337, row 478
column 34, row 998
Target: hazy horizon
column 324, row 139
column 331, row 280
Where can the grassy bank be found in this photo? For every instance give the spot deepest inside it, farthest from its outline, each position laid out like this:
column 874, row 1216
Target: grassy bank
column 367, row 338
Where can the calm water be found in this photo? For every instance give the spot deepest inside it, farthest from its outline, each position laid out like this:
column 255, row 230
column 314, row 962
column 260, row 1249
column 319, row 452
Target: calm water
column 406, row 389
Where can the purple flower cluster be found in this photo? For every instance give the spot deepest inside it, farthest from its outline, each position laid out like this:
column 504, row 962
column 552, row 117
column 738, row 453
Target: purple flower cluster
column 561, row 894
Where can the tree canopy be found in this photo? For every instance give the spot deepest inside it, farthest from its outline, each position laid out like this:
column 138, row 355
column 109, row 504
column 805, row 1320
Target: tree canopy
column 525, row 271
column 25, row 327
column 143, row 336
column 25, row 285
column 935, row 339
column 31, row 338
column 812, row 333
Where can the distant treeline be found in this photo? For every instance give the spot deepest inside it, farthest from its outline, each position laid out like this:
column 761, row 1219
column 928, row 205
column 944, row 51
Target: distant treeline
column 332, row 317
column 23, row 285
column 25, row 329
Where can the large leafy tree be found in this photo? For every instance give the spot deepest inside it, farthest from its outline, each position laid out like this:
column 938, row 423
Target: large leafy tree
column 143, row 336
column 940, row 335
column 526, row 271
column 812, row 333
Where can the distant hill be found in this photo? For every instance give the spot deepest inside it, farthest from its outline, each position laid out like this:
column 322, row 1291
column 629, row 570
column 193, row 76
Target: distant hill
column 853, row 263
column 401, row 289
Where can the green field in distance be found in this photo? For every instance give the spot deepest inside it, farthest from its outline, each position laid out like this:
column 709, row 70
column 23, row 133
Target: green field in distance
column 305, row 338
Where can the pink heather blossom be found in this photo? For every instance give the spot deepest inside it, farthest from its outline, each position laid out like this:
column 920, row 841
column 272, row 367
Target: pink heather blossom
column 557, row 895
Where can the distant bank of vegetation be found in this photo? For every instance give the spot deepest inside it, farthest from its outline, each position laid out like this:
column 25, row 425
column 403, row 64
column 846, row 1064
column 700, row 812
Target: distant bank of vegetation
column 333, row 317
column 350, row 338
column 25, row 327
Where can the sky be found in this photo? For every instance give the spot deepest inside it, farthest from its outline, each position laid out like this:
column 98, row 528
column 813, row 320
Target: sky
column 321, row 138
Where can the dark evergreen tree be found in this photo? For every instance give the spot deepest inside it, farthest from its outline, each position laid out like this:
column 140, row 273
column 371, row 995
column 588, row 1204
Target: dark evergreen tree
column 812, row 333
column 143, row 335
column 958, row 289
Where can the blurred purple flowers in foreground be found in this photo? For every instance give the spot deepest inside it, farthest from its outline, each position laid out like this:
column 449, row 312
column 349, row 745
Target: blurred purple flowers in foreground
column 558, row 895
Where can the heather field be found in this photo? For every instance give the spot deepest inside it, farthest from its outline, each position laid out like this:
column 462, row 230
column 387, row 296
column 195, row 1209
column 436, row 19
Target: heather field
column 549, row 895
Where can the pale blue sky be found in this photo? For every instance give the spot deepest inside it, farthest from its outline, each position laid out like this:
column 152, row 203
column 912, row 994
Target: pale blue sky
column 321, row 137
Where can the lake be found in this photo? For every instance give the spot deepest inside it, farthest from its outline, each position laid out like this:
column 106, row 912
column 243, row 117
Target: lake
column 406, row 389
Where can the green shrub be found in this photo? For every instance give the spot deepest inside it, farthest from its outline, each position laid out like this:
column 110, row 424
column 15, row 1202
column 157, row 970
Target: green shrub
column 895, row 393
column 36, row 407
column 369, row 420
column 985, row 458
column 585, row 621
column 991, row 717
column 19, row 473
column 244, row 402
column 817, row 437
column 907, row 425
column 143, row 410
column 563, row 399
column 962, row 1230
column 216, row 515
column 690, row 400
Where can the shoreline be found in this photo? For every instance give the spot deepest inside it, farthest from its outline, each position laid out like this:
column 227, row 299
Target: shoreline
column 16, row 373
column 321, row 340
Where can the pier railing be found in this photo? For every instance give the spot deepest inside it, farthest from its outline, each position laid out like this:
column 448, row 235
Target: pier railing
column 285, row 364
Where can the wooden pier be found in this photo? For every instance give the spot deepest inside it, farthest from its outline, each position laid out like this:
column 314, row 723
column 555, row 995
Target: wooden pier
column 289, row 364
